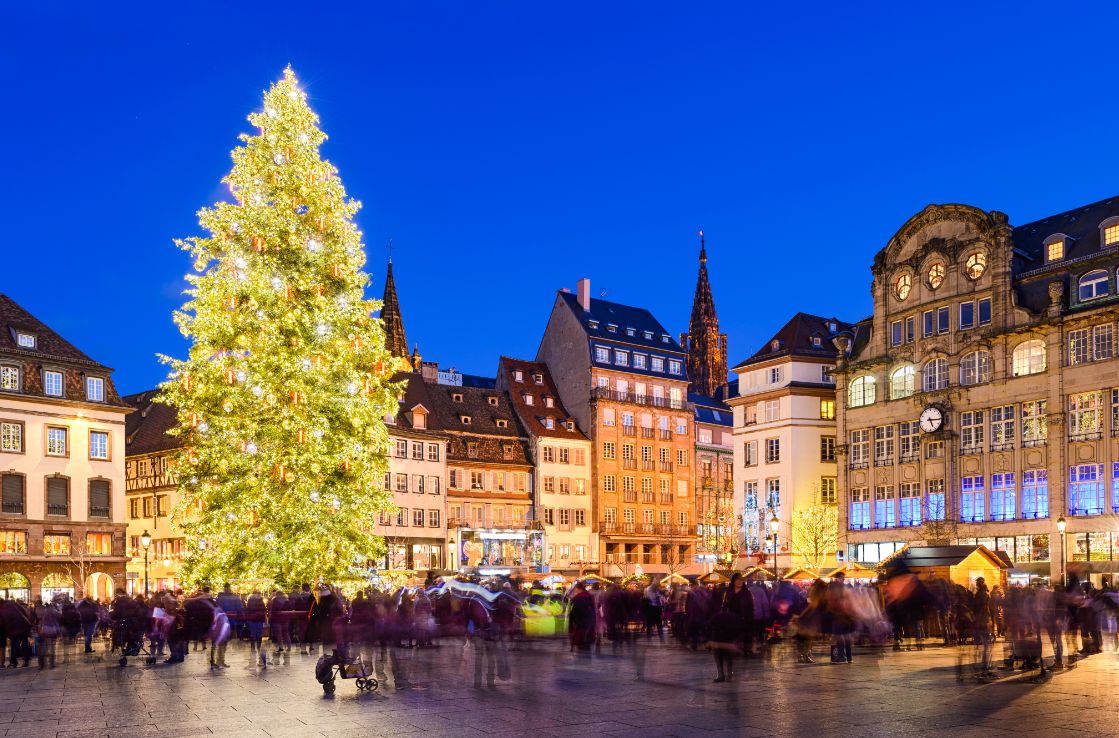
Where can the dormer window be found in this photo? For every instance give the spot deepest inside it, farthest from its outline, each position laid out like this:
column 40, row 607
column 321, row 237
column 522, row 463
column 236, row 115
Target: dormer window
column 611, row 328
column 25, row 340
column 832, row 327
column 52, row 383
column 549, row 423
column 665, row 338
column 472, row 452
column 774, row 345
column 592, row 324
column 816, row 341
column 95, row 389
column 621, row 358
column 648, row 335
column 465, row 419
column 1093, row 284
column 630, row 332
column 527, row 398
column 518, row 375
column 548, row 401
column 507, row 451
column 456, row 397
column 569, row 424
column 501, row 423
column 538, row 378
column 1111, row 235
column 1054, row 249
column 492, row 400
column 9, row 378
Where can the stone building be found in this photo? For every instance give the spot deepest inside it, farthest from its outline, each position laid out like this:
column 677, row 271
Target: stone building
column 62, row 482
column 623, row 378
column 152, row 494
column 718, row 523
column 562, row 457
column 491, row 528
column 980, row 402
column 785, row 440
column 393, row 321
column 705, row 345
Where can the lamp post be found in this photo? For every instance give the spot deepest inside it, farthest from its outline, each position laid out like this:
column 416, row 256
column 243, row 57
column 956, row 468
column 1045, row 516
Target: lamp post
column 774, row 526
column 145, row 543
column 1061, row 523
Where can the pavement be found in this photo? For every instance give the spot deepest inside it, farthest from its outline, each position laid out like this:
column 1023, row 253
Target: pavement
column 646, row 690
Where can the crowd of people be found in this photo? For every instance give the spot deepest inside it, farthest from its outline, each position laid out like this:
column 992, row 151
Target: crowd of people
column 737, row 620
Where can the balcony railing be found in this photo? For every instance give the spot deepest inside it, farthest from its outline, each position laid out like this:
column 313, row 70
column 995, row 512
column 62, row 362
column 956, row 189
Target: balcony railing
column 665, row 435
column 648, row 432
column 859, row 465
column 666, row 466
column 1007, row 446
column 972, row 450
column 1085, row 436
column 605, row 393
column 12, row 508
column 647, row 464
column 884, row 461
column 646, row 529
column 909, row 458
column 629, row 496
column 488, row 522
column 98, row 512
column 629, row 430
column 1033, row 442
column 629, row 463
column 58, row 510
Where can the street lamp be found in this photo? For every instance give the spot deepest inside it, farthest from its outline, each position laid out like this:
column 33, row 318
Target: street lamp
column 774, row 526
column 146, row 542
column 1061, row 523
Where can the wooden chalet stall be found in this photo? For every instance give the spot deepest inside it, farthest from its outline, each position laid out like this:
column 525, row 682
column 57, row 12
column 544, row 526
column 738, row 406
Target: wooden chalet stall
column 961, row 565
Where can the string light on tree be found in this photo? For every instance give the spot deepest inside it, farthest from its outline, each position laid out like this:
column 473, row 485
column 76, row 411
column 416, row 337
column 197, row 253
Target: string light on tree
column 279, row 278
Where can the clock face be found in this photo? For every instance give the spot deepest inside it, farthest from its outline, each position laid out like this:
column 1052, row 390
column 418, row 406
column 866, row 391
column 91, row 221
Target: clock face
column 931, row 419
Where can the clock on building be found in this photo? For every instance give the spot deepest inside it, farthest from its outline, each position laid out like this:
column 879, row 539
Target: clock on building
column 932, row 417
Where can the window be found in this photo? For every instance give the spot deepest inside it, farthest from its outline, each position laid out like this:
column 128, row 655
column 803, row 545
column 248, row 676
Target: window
column 621, row 358
column 827, row 449
column 608, row 416
column 11, row 494
column 827, row 491
column 985, row 311
column 433, row 518
column 975, row 368
column 971, row 432
column 934, row 450
column 99, row 445
column 13, row 542
column 433, row 452
column 909, row 504
column 682, row 456
column 1111, row 234
column 1055, row 250
column 549, row 454
column 610, row 515
column 1002, row 428
column 1085, row 489
column 401, row 449
column 902, row 286
column 928, row 323
column 433, row 485
column 1085, row 416
column 902, row 382
column 936, row 505
column 750, row 449
column 56, row 441
column 910, row 329
column 25, row 340
column 1029, row 358
column 418, row 517
column 1094, row 344
column 629, row 516
column 99, row 544
column 772, row 410
column 549, row 484
column 884, row 445
column 610, row 483
column 402, row 517
column 11, row 436
column 518, row 375
column 657, row 364
column 95, row 389
column 674, row 367
column 564, row 517
column 1093, row 284
column 936, row 274
column 580, row 457
column 750, row 495
column 9, row 378
column 773, row 375
column 56, row 544
column 975, row 265
column 909, row 440
column 1035, row 427
column 967, row 315
column 972, row 507
column 602, row 355
column 401, row 483
column 58, row 496
column 418, row 451
column 773, row 494
column 827, row 374
column 52, row 383
column 99, row 498
column 477, row 480
column 827, row 409
column 860, row 508
column 935, row 375
column 639, row 361
column 860, row 448
column 1035, row 493
column 896, row 334
column 418, row 484
column 1003, row 496
column 772, row 450
column 885, row 510
column 609, row 450
column 861, row 392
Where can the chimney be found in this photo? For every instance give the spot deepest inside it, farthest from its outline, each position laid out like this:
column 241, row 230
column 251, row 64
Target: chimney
column 584, row 288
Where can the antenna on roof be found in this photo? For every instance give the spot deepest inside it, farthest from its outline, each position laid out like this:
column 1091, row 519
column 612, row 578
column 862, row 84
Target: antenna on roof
column 389, row 247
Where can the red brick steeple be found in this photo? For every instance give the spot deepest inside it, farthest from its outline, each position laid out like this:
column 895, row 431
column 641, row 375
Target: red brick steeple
column 706, row 347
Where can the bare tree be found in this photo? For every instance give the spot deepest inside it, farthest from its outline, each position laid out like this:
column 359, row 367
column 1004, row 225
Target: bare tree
column 396, row 552
column 79, row 565
column 815, row 534
column 940, row 528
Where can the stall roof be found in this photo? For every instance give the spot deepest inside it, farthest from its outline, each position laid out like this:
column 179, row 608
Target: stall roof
column 930, row 556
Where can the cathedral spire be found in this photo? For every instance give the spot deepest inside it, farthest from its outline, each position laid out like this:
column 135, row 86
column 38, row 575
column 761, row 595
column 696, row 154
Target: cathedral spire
column 706, row 347
column 390, row 316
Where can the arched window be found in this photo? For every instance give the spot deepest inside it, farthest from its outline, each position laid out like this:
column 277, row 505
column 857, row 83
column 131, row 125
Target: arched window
column 1093, row 284
column 1029, row 358
column 861, row 392
column 902, row 382
column 935, row 375
column 976, row 264
column 936, row 274
column 902, row 286
column 975, row 368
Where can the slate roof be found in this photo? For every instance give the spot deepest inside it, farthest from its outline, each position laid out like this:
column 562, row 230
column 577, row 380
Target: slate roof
column 49, row 344
column 146, row 430
column 710, row 410
column 622, row 316
column 415, row 393
column 795, row 339
column 475, row 402
column 532, row 416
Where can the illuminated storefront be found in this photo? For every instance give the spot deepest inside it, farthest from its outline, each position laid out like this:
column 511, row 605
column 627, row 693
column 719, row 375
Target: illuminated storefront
column 489, row 551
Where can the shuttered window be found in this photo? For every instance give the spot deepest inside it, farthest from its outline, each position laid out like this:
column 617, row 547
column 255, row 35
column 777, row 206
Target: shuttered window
column 12, row 499
column 98, row 498
column 58, row 496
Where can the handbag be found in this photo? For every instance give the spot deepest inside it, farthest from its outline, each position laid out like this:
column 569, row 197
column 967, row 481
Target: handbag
column 837, row 656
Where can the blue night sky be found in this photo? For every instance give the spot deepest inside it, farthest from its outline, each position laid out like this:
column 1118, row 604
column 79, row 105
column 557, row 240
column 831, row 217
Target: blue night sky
column 511, row 148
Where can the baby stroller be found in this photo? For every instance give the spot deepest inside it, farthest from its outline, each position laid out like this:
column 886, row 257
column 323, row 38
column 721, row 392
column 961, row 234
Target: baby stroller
column 337, row 664
column 129, row 629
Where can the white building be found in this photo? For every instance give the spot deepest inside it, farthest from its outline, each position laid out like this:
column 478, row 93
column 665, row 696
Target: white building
column 784, row 434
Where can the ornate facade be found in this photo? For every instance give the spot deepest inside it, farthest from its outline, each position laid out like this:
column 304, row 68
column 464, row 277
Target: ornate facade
column 705, row 345
column 980, row 402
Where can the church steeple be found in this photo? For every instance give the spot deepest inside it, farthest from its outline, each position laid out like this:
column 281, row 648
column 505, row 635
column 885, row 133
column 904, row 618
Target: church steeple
column 706, row 347
column 394, row 323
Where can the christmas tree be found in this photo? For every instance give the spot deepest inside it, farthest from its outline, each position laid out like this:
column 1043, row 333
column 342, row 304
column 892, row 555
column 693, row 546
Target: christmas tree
column 281, row 403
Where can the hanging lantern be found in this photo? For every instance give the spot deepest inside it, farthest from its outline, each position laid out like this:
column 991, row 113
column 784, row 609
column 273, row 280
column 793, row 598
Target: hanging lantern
column 230, row 376
column 232, row 303
column 296, row 397
column 346, row 465
column 320, row 223
column 194, row 420
column 280, row 472
column 319, row 290
column 318, row 360
column 187, row 382
column 301, row 435
column 275, row 178
column 289, row 292
column 258, row 243
column 294, row 202
column 287, row 153
column 357, row 344
column 379, row 367
column 336, row 271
